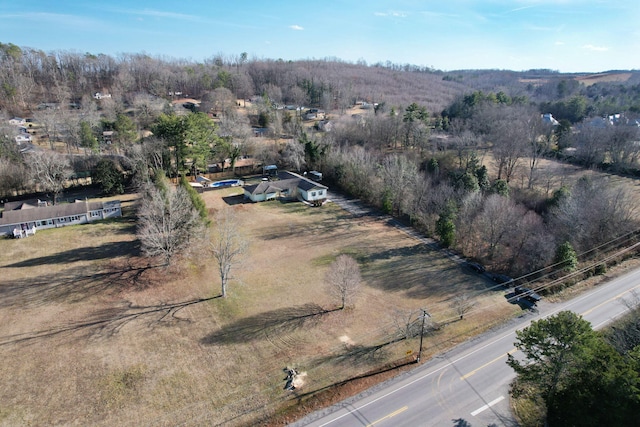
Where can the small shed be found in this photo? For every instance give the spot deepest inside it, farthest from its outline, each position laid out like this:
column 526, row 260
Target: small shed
column 270, row 170
column 315, row 175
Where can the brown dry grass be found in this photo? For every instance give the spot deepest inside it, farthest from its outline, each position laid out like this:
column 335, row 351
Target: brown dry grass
column 90, row 334
column 550, row 175
column 590, row 79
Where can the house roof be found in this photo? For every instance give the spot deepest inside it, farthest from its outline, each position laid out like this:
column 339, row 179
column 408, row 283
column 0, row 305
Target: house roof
column 29, row 213
column 264, row 187
column 301, row 182
column 308, row 185
column 23, row 204
column 286, row 181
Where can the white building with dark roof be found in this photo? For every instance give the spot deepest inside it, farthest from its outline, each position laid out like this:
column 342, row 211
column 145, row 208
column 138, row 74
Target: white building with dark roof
column 287, row 185
column 23, row 218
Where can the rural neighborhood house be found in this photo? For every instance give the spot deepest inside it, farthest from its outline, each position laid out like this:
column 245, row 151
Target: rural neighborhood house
column 287, row 185
column 23, row 218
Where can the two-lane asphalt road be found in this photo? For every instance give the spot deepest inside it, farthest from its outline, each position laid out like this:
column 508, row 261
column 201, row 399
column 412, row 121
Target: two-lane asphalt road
column 469, row 383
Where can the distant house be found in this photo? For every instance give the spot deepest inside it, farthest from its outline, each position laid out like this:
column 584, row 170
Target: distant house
column 23, row 138
column 325, row 125
column 17, row 121
column 107, row 136
column 100, row 95
column 287, row 185
column 260, row 131
column 25, row 217
column 549, row 119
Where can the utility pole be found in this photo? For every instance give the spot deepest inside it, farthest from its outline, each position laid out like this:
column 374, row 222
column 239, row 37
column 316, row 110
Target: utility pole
column 424, row 314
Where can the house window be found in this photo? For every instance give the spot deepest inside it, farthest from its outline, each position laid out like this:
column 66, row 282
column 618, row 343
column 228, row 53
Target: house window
column 49, row 222
column 313, row 194
column 95, row 214
column 62, row 219
column 320, row 192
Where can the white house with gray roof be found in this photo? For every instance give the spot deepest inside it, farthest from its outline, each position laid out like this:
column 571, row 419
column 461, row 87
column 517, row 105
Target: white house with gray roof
column 287, row 185
column 23, row 218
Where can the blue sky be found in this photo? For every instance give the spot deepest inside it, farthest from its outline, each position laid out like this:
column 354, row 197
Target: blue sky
column 563, row 35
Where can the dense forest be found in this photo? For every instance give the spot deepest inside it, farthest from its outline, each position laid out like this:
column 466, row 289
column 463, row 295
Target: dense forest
column 456, row 154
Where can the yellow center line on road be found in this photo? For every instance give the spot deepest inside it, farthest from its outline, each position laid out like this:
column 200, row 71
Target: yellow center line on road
column 386, row 417
column 609, row 300
column 618, row 296
column 464, row 377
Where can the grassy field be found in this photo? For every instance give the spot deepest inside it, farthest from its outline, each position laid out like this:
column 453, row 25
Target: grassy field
column 91, row 333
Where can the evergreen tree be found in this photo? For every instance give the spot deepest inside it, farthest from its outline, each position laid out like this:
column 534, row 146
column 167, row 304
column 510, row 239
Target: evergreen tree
column 566, row 257
column 109, row 176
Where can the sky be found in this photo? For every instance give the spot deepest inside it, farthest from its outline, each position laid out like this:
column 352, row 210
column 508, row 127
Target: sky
column 562, row 35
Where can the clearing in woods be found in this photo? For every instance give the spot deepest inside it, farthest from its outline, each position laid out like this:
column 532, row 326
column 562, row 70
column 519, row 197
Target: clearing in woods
column 91, row 333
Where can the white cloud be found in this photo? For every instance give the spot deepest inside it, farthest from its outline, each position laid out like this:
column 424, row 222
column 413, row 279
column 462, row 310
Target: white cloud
column 393, row 14
column 595, row 48
column 520, row 8
column 158, row 14
column 559, row 43
column 296, row 27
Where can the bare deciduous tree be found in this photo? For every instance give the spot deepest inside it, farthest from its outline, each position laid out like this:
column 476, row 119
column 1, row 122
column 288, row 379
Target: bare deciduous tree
column 462, row 304
column 495, row 222
column 50, row 171
column 49, row 119
column 344, row 279
column 293, row 155
column 167, row 221
column 14, row 176
column 407, row 323
column 397, row 170
column 228, row 245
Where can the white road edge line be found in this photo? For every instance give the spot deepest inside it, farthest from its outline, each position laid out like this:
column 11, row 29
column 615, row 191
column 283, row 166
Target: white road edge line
column 487, row 406
column 565, row 306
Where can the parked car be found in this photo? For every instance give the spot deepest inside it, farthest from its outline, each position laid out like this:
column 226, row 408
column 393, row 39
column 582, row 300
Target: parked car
column 527, row 294
column 476, row 267
column 502, row 279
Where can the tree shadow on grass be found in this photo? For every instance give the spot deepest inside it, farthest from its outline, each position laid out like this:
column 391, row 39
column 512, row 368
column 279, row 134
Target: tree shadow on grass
column 270, row 323
column 418, row 273
column 75, row 284
column 357, row 355
column 399, row 252
column 87, row 253
column 109, row 321
column 318, row 232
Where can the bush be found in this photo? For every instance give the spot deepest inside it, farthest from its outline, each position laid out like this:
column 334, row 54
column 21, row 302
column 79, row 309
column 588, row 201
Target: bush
column 198, row 202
